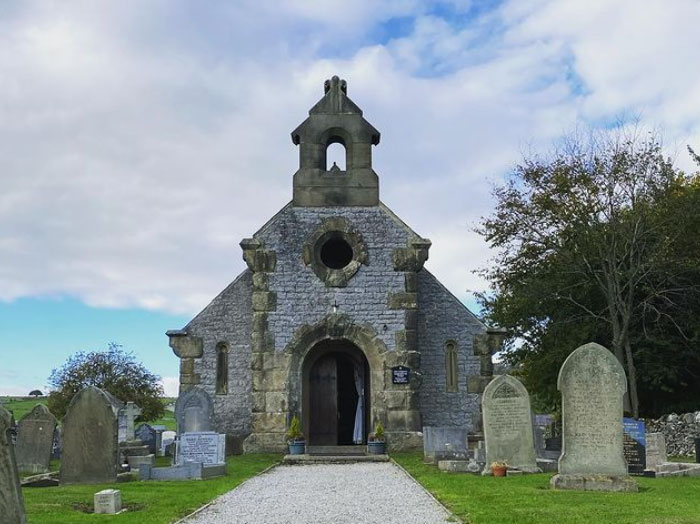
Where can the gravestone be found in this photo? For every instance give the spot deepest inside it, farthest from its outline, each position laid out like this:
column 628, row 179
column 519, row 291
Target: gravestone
column 634, row 445
column 206, row 447
column 444, row 443
column 194, row 411
column 90, row 439
column 35, row 433
column 167, row 440
column 159, row 437
column 57, row 443
column 11, row 501
column 656, row 450
column 592, row 384
column 108, row 501
column 146, row 434
column 508, row 433
column 127, row 415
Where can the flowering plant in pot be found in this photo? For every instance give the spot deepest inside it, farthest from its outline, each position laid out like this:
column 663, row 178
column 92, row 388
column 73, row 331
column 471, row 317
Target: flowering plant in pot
column 376, row 442
column 295, row 438
column 499, row 468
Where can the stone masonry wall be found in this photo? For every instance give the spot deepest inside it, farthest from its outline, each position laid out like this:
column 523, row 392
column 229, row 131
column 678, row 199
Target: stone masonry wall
column 228, row 318
column 442, row 317
column 680, row 431
column 302, row 298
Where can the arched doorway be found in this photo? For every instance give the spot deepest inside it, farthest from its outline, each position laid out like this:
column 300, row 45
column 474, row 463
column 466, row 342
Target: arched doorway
column 336, row 394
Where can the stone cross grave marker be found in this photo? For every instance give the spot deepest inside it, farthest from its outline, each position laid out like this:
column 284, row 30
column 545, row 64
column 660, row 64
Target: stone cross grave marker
column 11, row 501
column 592, row 384
column 127, row 415
column 90, row 449
column 508, row 425
column 35, row 432
column 194, row 411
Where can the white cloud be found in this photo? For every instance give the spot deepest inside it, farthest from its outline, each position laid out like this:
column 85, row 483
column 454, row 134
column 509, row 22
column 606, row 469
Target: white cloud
column 138, row 146
column 171, row 386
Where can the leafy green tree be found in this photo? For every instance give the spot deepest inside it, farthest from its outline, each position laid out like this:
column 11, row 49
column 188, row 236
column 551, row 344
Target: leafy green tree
column 113, row 370
column 589, row 249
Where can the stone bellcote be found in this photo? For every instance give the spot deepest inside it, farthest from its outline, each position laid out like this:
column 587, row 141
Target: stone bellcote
column 335, row 119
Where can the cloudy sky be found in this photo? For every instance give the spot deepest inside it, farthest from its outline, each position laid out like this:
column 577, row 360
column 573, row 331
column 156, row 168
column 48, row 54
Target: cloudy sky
column 140, row 141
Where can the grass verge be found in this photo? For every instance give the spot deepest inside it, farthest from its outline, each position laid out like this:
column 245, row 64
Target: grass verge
column 151, row 502
column 528, row 499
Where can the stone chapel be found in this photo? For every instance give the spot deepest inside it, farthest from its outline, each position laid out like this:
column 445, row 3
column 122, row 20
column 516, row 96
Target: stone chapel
column 335, row 319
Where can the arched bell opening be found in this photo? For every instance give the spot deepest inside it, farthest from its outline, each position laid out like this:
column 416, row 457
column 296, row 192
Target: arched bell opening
column 336, row 394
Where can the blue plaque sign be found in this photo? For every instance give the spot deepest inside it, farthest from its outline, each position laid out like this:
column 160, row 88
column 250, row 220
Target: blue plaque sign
column 635, row 445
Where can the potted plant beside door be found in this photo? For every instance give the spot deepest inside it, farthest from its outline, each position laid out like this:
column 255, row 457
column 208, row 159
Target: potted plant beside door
column 376, row 442
column 295, row 438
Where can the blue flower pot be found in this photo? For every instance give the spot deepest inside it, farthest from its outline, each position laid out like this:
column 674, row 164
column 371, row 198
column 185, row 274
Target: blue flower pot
column 297, row 448
column 376, row 448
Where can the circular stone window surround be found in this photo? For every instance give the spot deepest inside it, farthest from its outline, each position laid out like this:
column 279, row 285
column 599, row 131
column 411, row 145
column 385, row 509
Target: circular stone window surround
column 334, row 229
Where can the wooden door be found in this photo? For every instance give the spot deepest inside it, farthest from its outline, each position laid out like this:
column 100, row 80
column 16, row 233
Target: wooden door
column 324, row 402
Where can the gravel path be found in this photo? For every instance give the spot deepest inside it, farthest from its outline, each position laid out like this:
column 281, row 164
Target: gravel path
column 326, row 494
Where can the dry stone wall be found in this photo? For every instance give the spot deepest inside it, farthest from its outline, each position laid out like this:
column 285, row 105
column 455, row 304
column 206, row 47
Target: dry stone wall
column 680, row 431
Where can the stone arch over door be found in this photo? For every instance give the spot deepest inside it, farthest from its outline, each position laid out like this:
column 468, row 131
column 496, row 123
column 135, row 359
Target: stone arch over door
column 337, row 328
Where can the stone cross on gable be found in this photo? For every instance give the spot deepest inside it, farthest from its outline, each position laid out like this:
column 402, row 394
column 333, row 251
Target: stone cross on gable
column 130, row 411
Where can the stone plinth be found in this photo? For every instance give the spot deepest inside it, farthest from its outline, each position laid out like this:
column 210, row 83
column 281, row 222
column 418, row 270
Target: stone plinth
column 594, row 482
column 459, row 466
column 108, row 501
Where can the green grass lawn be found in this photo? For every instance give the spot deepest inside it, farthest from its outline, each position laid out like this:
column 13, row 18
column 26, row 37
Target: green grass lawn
column 528, row 499
column 20, row 406
column 149, row 502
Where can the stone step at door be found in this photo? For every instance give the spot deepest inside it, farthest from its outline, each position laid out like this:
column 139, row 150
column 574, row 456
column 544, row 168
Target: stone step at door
column 336, row 450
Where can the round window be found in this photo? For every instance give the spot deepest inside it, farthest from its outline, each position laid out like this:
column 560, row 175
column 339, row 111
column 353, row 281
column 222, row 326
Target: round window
column 336, row 253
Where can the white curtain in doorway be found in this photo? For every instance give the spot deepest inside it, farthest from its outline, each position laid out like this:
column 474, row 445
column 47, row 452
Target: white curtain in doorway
column 358, row 432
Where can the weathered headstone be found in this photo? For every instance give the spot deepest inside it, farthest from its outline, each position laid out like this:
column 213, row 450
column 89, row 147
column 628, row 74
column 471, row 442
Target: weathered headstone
column 167, row 440
column 159, row 438
column 146, row 434
column 11, row 501
column 445, row 443
column 656, row 450
column 205, row 447
column 108, row 501
column 194, row 411
column 508, row 425
column 127, row 415
column 35, row 433
column 90, row 439
column 57, row 444
column 634, row 445
column 592, row 384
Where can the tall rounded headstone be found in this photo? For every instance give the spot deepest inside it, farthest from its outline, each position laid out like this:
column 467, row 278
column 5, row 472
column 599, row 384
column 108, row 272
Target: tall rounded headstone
column 194, row 411
column 11, row 501
column 508, row 425
column 35, row 432
column 592, row 384
column 89, row 439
